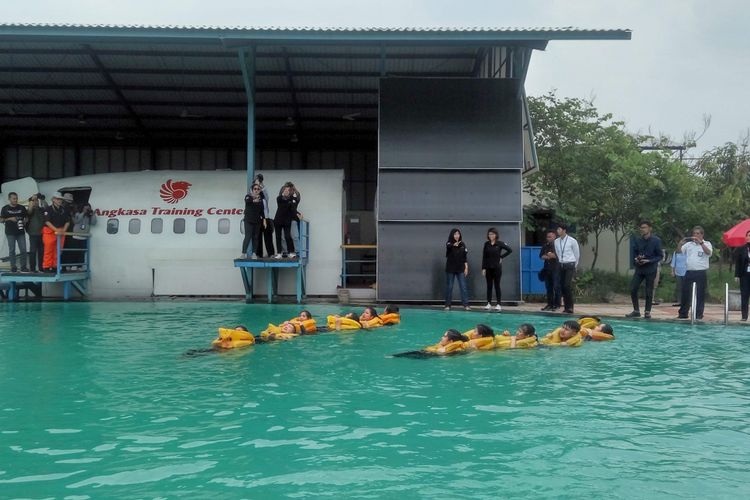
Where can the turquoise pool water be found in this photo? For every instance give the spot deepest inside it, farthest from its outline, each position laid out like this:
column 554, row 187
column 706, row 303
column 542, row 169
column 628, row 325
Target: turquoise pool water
column 98, row 401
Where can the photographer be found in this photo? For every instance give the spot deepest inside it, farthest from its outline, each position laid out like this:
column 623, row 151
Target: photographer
column 267, row 229
column 697, row 252
column 648, row 253
column 83, row 219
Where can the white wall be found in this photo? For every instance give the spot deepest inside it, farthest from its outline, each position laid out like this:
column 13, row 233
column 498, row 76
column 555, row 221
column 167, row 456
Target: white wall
column 137, row 265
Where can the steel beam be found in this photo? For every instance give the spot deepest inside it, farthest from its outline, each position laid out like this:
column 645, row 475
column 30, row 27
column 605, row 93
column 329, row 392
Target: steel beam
column 247, row 64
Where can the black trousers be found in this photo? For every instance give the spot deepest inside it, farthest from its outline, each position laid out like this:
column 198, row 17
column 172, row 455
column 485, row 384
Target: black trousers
column 267, row 233
column 635, row 284
column 252, row 233
column 287, row 229
column 36, row 252
column 744, row 293
column 492, row 276
column 552, row 283
column 567, row 273
column 700, row 279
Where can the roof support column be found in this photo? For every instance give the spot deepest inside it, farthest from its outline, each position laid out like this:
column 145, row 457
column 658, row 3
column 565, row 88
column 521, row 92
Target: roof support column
column 247, row 63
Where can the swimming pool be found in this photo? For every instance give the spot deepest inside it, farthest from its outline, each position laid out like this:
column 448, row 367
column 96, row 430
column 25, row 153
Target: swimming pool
column 97, row 400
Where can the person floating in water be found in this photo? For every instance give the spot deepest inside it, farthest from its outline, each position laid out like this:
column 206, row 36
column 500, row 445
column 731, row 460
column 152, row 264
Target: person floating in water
column 524, row 338
column 391, row 315
column 569, row 334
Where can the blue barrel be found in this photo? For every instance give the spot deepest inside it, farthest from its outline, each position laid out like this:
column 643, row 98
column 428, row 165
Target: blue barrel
column 531, row 264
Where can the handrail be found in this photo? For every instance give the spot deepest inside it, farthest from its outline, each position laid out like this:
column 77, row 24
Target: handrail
column 726, row 304
column 693, row 301
column 86, row 261
column 345, row 261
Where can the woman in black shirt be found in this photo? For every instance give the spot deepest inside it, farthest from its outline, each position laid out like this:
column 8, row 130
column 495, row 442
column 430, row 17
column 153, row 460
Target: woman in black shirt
column 286, row 212
column 492, row 265
column 254, row 211
column 456, row 267
column 742, row 274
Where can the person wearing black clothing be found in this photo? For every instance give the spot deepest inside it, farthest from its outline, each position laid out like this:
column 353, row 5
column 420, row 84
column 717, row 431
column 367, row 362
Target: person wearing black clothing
column 56, row 223
column 456, row 267
column 267, row 231
column 286, row 212
column 14, row 216
column 253, row 222
column 647, row 254
column 492, row 265
column 551, row 272
column 742, row 274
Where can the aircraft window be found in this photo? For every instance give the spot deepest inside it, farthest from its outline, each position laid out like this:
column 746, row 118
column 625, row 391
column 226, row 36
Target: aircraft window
column 157, row 226
column 223, row 226
column 134, row 226
column 112, row 226
column 201, row 226
column 179, row 226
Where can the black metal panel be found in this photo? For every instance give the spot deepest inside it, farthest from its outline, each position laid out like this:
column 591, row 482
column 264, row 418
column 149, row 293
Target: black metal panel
column 411, row 261
column 450, row 123
column 450, row 195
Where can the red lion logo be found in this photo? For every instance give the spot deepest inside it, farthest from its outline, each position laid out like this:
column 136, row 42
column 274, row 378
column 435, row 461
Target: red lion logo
column 172, row 192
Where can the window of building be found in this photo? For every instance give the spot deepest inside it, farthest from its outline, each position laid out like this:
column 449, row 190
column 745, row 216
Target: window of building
column 223, row 226
column 179, row 226
column 201, row 226
column 157, row 226
column 113, row 225
column 134, row 226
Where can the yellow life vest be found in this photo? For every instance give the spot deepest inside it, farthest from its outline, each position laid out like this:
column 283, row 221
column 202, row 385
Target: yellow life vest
column 588, row 322
column 232, row 339
column 553, row 339
column 391, row 318
column 450, row 348
column 345, row 323
column 506, row 341
column 481, row 343
column 372, row 323
column 273, row 332
column 597, row 336
column 309, row 324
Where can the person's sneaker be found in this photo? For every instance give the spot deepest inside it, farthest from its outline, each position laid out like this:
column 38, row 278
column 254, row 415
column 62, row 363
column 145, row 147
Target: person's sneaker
column 14, row 269
column 447, row 308
column 467, row 308
column 243, row 256
column 634, row 314
column 292, row 255
column 647, row 315
column 498, row 308
column 254, row 257
column 488, row 306
column 568, row 311
column 25, row 270
column 277, row 256
column 546, row 308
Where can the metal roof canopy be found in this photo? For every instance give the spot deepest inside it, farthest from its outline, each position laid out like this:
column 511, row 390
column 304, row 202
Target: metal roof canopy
column 177, row 85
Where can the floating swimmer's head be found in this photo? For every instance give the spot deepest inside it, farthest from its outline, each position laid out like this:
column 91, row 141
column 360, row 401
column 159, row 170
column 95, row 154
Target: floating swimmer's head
column 568, row 330
column 305, row 315
column 287, row 328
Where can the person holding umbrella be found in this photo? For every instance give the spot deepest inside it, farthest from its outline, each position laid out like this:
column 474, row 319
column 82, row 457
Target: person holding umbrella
column 742, row 274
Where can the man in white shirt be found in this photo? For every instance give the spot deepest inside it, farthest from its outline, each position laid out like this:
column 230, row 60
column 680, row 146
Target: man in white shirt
column 568, row 253
column 697, row 252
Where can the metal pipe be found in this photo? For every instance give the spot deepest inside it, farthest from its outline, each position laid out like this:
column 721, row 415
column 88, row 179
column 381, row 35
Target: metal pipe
column 726, row 303
column 692, row 304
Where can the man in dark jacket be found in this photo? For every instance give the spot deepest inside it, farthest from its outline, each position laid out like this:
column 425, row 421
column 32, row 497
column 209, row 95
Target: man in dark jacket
column 551, row 271
column 14, row 216
column 647, row 253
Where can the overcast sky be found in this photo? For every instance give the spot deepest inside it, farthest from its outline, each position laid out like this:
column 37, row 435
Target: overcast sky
column 687, row 58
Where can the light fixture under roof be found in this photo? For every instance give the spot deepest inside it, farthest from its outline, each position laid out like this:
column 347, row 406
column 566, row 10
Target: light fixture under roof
column 294, row 138
column 290, row 122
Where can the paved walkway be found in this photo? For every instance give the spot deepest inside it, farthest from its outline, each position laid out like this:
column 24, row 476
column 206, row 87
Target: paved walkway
column 713, row 313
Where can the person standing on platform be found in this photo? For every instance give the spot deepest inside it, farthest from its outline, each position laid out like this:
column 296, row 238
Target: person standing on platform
column 456, row 268
column 254, row 210
column 267, row 232
column 286, row 212
column 14, row 217
column 83, row 219
column 679, row 268
column 742, row 274
column 648, row 253
column 492, row 265
column 697, row 253
column 551, row 272
column 56, row 222
column 34, row 230
column 569, row 253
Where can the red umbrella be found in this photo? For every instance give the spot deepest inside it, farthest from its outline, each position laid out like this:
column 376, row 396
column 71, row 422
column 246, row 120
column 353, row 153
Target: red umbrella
column 735, row 237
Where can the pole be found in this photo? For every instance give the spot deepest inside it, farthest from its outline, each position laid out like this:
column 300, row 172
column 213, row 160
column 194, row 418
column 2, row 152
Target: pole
column 692, row 304
column 726, row 304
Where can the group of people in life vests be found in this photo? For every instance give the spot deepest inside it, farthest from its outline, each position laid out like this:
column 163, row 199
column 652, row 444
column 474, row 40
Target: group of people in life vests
column 305, row 324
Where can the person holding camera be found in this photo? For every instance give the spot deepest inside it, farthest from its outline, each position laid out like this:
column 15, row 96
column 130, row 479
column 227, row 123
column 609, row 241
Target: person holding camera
column 14, row 216
column 647, row 254
column 83, row 219
column 34, row 230
column 569, row 253
column 697, row 253
column 286, row 212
